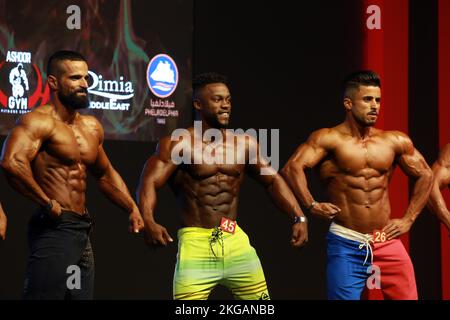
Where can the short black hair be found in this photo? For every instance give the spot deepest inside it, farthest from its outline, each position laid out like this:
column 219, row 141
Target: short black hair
column 360, row 78
column 58, row 56
column 203, row 79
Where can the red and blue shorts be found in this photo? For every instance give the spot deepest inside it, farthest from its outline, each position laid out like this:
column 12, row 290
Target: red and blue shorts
column 355, row 263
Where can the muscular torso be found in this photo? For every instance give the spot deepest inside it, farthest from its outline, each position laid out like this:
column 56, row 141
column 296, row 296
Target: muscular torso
column 60, row 165
column 357, row 174
column 208, row 192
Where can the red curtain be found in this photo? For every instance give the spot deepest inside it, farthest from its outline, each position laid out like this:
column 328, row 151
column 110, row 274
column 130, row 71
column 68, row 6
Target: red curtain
column 386, row 53
column 444, row 126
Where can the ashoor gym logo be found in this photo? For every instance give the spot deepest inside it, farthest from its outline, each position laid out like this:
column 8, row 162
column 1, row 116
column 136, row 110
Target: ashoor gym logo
column 24, row 87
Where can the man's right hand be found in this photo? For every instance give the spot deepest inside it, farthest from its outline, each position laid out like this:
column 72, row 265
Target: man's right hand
column 156, row 235
column 55, row 210
column 299, row 234
column 325, row 210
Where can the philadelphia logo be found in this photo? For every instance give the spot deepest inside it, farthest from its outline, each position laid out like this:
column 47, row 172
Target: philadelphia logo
column 162, row 75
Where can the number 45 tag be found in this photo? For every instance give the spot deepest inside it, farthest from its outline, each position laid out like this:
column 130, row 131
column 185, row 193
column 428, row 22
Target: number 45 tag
column 228, row 225
column 379, row 236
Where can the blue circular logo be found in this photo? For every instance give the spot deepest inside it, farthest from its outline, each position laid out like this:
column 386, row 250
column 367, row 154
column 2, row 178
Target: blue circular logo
column 162, row 75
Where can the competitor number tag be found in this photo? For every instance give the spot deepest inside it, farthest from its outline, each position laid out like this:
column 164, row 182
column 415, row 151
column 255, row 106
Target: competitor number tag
column 228, row 225
column 379, row 236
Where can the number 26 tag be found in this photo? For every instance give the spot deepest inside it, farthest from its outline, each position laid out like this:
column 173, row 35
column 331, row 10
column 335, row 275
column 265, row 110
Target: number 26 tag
column 379, row 236
column 228, row 225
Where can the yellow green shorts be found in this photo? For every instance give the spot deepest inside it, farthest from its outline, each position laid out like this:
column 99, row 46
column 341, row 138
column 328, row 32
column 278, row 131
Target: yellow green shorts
column 208, row 257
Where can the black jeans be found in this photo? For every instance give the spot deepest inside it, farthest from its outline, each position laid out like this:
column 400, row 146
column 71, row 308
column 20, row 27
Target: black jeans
column 61, row 261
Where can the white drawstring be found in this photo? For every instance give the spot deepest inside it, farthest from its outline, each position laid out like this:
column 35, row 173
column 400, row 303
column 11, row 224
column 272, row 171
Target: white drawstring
column 364, row 239
column 368, row 248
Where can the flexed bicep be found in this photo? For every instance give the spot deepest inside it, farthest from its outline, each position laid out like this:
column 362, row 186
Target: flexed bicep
column 307, row 155
column 413, row 163
column 414, row 166
column 156, row 172
column 25, row 139
column 20, row 149
column 310, row 153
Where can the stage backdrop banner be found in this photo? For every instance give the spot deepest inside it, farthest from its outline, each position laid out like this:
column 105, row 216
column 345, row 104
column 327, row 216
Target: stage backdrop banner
column 139, row 55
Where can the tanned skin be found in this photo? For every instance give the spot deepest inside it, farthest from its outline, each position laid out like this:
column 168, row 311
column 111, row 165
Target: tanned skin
column 356, row 162
column 208, row 192
column 48, row 153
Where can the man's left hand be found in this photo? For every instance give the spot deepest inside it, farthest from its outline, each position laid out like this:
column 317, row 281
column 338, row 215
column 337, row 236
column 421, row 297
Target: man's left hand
column 396, row 227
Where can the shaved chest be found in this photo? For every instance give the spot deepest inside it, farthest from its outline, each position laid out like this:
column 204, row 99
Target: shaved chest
column 224, row 159
column 354, row 156
column 72, row 144
column 219, row 172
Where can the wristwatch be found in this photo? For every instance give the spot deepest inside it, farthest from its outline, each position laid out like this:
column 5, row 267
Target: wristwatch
column 312, row 205
column 298, row 219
